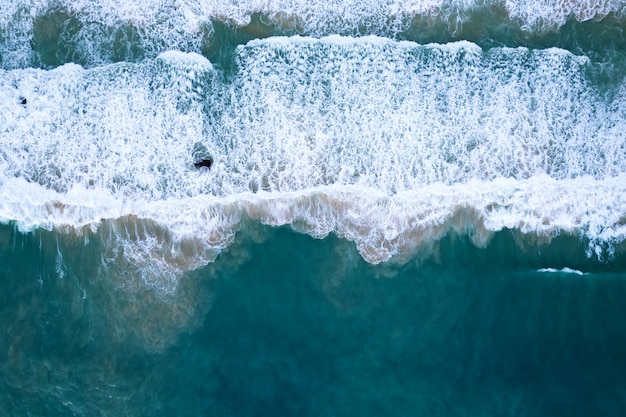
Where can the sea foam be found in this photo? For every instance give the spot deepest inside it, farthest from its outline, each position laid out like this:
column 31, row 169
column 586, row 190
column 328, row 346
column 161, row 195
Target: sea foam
column 389, row 144
column 45, row 33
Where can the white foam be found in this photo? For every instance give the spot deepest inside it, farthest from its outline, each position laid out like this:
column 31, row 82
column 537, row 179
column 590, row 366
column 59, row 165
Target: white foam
column 388, row 144
column 565, row 270
column 182, row 24
column 99, row 27
column 119, row 128
column 551, row 13
column 178, row 235
column 186, row 60
column 396, row 116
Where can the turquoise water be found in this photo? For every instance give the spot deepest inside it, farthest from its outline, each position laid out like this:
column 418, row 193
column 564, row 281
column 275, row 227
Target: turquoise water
column 297, row 326
column 413, row 208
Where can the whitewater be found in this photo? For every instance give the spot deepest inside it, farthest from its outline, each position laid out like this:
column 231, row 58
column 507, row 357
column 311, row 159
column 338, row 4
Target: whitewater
column 388, row 144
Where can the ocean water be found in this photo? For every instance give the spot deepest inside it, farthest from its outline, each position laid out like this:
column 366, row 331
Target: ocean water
column 414, row 208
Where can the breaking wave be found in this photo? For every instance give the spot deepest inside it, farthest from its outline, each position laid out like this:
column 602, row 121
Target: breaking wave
column 50, row 33
column 389, row 144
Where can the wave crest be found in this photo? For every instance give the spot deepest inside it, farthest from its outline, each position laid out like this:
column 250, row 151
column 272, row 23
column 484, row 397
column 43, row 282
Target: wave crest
column 167, row 238
column 52, row 32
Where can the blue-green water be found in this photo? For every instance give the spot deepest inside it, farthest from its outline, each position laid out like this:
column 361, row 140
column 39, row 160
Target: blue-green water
column 413, row 208
column 297, row 326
